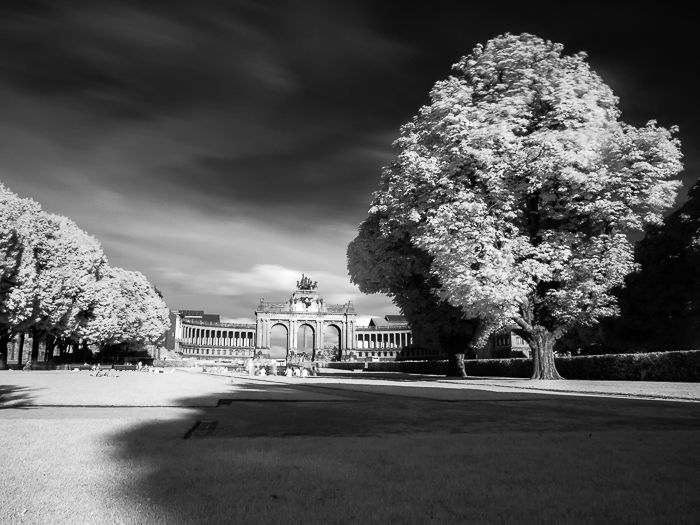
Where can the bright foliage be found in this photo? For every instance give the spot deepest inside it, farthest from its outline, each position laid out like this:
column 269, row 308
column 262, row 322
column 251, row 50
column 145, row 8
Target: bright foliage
column 521, row 182
column 55, row 280
column 126, row 307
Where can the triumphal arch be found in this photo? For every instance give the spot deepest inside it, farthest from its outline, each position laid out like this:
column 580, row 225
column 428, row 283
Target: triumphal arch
column 305, row 324
column 304, row 327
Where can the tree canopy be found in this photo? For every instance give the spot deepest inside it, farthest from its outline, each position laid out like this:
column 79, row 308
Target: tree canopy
column 387, row 262
column 660, row 306
column 126, row 307
column 20, row 223
column 521, row 183
column 54, row 278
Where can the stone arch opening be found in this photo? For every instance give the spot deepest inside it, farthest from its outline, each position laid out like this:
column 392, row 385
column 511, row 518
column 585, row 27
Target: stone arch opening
column 279, row 341
column 305, row 340
column 331, row 342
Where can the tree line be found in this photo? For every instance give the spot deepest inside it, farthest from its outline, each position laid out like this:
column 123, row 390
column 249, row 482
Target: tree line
column 56, row 285
column 513, row 200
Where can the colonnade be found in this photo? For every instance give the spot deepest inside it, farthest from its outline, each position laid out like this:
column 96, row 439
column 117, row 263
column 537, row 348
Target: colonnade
column 195, row 335
column 190, row 351
column 249, row 338
column 382, row 339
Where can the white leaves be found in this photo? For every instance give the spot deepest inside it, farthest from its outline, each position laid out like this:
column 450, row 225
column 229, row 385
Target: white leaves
column 126, row 308
column 520, row 182
column 52, row 278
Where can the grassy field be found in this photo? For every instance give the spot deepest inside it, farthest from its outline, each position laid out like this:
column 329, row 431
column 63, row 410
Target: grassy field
column 337, row 453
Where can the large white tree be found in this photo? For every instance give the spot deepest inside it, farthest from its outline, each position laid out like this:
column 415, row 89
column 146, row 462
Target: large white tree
column 521, row 182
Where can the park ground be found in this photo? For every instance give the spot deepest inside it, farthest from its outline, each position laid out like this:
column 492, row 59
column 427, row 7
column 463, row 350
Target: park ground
column 187, row 447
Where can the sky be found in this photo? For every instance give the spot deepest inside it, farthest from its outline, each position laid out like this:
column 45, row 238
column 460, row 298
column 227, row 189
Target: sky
column 223, row 148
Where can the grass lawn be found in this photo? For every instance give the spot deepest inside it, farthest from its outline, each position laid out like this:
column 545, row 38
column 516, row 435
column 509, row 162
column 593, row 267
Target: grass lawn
column 285, row 454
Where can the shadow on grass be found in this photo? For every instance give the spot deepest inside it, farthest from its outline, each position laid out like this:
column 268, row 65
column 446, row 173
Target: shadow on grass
column 14, row 396
column 281, row 453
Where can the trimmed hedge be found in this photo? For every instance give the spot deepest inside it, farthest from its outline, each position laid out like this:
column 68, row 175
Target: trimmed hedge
column 654, row 366
column 518, row 367
column 410, row 367
column 343, row 365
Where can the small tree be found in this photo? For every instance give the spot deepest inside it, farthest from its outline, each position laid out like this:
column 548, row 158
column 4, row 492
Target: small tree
column 386, row 261
column 521, row 183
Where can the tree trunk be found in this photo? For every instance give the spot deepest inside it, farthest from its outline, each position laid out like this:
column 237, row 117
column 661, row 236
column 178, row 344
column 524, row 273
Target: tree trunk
column 62, row 346
column 542, row 345
column 4, row 341
column 82, row 351
column 20, row 352
column 455, row 365
column 36, row 340
column 49, row 348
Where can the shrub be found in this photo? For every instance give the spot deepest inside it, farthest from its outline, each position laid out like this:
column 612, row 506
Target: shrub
column 344, row 365
column 655, row 366
column 410, row 367
column 517, row 367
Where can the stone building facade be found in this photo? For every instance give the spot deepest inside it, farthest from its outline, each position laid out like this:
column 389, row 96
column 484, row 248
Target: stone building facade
column 304, row 327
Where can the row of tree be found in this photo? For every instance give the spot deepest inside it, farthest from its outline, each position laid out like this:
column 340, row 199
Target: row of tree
column 56, row 284
column 512, row 199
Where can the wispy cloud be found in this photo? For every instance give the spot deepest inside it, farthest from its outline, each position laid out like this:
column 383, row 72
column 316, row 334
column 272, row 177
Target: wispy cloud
column 224, row 149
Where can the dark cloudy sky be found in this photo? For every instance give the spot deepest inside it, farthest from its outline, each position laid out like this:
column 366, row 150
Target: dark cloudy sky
column 223, row 148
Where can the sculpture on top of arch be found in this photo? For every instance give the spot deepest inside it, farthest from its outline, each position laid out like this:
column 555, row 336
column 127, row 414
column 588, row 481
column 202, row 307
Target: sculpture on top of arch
column 306, row 283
